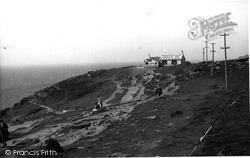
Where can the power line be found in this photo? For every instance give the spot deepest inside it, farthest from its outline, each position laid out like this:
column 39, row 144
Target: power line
column 216, row 119
column 225, row 48
column 203, row 54
column 213, row 57
column 206, row 51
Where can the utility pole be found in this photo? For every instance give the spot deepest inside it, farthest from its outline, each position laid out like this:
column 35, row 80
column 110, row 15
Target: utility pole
column 203, row 54
column 206, row 51
column 225, row 48
column 213, row 57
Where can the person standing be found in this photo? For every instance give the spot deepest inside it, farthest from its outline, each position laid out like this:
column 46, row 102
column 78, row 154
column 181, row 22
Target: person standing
column 99, row 101
column 6, row 132
column 98, row 104
column 2, row 137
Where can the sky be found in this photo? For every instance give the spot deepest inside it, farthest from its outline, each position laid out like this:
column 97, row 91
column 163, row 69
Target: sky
column 52, row 32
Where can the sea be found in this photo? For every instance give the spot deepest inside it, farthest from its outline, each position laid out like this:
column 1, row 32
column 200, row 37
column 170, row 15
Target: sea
column 17, row 82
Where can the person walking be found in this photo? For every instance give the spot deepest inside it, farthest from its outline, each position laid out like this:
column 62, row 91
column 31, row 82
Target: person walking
column 158, row 91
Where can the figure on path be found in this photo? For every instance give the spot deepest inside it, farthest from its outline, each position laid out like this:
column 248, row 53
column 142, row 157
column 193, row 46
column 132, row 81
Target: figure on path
column 98, row 104
column 3, row 134
column 158, row 91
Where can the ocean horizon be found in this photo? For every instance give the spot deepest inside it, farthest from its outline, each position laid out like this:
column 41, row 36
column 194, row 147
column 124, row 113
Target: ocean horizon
column 17, row 82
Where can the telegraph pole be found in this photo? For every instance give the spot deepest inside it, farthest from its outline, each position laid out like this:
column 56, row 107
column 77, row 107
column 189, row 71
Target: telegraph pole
column 225, row 48
column 203, row 54
column 206, row 51
column 213, row 57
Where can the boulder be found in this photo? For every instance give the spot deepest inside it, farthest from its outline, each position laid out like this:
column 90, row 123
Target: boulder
column 52, row 144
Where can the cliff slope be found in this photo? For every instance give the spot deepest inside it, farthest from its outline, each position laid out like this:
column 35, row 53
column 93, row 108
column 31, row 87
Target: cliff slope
column 134, row 121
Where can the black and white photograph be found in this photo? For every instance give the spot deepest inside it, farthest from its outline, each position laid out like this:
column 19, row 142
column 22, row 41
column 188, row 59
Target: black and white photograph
column 124, row 78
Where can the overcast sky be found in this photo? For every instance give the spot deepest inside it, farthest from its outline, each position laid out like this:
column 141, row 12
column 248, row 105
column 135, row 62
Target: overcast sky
column 45, row 32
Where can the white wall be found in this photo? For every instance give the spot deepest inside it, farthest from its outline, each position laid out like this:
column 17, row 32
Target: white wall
column 178, row 62
column 169, row 62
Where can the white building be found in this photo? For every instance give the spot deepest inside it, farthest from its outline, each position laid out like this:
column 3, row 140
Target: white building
column 153, row 62
column 168, row 60
column 165, row 60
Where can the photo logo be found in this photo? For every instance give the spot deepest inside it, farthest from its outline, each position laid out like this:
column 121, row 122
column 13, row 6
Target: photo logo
column 211, row 27
column 7, row 152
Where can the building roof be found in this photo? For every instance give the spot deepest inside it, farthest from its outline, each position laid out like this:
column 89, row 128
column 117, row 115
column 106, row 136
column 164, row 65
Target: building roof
column 173, row 57
column 153, row 58
column 166, row 57
column 156, row 58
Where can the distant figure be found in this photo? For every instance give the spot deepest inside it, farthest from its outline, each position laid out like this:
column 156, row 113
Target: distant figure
column 99, row 101
column 158, row 91
column 2, row 136
column 98, row 104
column 6, row 132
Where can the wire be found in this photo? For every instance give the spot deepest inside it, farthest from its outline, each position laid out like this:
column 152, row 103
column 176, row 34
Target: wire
column 223, row 108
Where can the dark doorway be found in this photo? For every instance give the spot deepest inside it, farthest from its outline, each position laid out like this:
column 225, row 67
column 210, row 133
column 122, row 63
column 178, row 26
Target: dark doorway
column 174, row 62
column 164, row 62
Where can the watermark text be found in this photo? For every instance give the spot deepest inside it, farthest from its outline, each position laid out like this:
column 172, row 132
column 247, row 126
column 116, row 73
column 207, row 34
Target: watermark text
column 30, row 152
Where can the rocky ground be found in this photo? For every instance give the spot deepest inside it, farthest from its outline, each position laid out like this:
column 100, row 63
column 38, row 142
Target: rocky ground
column 134, row 121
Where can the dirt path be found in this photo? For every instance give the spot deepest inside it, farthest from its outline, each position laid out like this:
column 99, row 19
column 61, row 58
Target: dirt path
column 43, row 106
column 135, row 91
column 119, row 89
column 140, row 92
